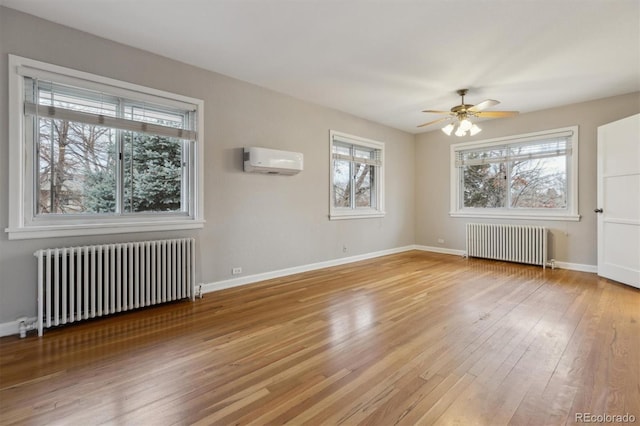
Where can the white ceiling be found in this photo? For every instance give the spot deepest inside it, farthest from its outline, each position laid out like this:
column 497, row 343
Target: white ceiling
column 385, row 60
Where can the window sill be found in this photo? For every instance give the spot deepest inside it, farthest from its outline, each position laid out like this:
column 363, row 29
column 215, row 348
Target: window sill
column 355, row 215
column 519, row 216
column 31, row 232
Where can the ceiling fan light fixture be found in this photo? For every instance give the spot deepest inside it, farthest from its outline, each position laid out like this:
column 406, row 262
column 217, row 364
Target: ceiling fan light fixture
column 466, row 124
column 460, row 116
column 448, row 129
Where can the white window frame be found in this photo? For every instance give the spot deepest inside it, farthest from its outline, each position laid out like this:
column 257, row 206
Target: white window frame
column 339, row 213
column 22, row 223
column 570, row 213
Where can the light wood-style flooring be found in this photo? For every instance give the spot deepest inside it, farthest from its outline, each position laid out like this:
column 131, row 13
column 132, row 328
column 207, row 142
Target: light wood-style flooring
column 414, row 339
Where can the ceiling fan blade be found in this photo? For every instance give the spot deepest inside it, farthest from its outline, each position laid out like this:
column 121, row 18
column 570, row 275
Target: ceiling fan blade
column 483, row 105
column 433, row 111
column 434, row 122
column 496, row 114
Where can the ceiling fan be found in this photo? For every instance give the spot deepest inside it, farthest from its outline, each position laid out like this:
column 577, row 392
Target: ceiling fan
column 460, row 115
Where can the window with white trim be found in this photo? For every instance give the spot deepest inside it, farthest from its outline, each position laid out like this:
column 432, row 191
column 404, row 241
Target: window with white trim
column 357, row 178
column 92, row 155
column 532, row 176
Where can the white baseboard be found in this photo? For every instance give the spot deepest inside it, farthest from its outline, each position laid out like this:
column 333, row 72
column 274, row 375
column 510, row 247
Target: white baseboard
column 440, row 250
column 561, row 265
column 577, row 267
column 13, row 327
column 250, row 279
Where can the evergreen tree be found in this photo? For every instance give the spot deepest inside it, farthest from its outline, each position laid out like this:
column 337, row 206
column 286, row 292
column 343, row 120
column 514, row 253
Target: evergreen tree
column 152, row 173
column 485, row 185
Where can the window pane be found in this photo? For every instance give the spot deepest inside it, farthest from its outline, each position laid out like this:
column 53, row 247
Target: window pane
column 363, row 153
column 363, row 184
column 76, row 168
column 540, row 148
column 341, row 183
column 75, row 99
column 485, row 155
column 357, row 174
column 155, row 116
column 539, row 183
column 152, row 172
column 485, row 185
column 341, row 149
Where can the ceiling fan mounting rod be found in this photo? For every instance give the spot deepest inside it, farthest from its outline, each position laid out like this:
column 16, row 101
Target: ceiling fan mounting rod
column 462, row 108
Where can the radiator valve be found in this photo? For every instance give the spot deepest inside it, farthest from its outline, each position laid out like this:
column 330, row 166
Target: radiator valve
column 25, row 324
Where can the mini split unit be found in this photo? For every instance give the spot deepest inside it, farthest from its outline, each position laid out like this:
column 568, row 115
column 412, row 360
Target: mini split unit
column 272, row 161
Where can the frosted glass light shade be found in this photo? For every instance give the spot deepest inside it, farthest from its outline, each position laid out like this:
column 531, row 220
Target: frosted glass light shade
column 465, row 124
column 448, row 129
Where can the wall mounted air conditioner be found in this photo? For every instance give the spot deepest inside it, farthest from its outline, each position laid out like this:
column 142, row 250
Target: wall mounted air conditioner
column 272, row 161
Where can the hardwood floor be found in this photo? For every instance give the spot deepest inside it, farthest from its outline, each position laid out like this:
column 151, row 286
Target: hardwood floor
column 412, row 338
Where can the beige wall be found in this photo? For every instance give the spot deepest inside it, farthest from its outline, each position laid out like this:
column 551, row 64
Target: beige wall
column 572, row 242
column 258, row 222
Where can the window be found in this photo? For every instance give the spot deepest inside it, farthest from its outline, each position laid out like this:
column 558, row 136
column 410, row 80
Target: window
column 357, row 179
column 91, row 155
column 532, row 176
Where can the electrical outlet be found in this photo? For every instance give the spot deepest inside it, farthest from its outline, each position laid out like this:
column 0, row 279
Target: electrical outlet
column 440, row 240
column 236, row 271
column 344, row 248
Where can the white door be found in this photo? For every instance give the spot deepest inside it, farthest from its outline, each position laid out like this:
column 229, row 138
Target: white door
column 619, row 200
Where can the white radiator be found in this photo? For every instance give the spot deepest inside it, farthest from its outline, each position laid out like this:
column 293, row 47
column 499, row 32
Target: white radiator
column 78, row 283
column 511, row 243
